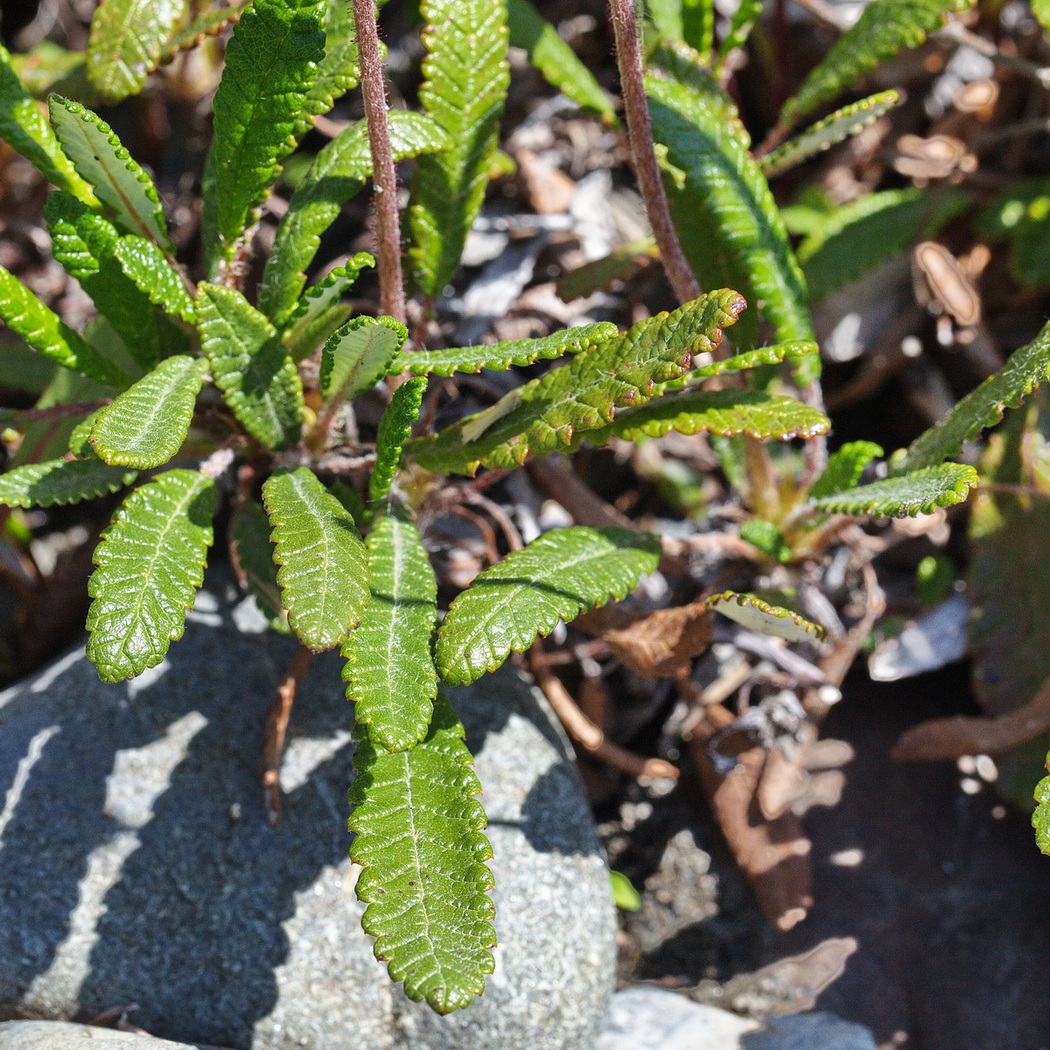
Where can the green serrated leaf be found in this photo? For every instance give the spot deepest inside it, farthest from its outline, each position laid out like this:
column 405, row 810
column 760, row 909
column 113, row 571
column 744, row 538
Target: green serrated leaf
column 358, row 355
column 1041, row 816
column 794, row 350
column 557, row 61
column 884, row 28
column 271, row 66
column 119, row 182
column 253, row 554
column 337, row 73
column 395, row 428
column 147, row 424
column 250, row 366
column 46, row 439
column 83, row 242
column 23, row 127
column 766, row 537
column 844, row 468
column 150, row 563
column 723, row 412
column 504, row 354
column 726, row 216
column 752, row 612
column 740, row 26
column 61, row 481
column 556, row 577
column 317, row 302
column 127, row 41
column 917, row 492
column 619, row 265
column 826, row 133
column 324, row 568
column 208, row 24
column 44, row 331
column 980, row 409
column 466, row 83
column 337, row 173
column 146, row 265
column 390, row 669
column 544, row 414
column 856, row 237
column 421, row 846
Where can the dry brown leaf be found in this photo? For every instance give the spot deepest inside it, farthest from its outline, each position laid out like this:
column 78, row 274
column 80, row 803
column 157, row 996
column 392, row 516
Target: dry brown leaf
column 664, row 643
column 550, row 191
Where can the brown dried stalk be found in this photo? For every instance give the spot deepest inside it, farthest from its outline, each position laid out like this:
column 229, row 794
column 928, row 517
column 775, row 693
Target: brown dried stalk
column 276, row 729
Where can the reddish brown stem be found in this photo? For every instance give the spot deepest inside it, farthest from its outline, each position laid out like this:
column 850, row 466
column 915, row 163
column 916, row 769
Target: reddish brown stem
column 643, row 157
column 384, row 177
column 276, row 728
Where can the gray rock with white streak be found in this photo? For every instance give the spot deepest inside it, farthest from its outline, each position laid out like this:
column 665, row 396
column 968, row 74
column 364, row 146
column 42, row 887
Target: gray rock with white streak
column 60, row 1035
column 135, row 864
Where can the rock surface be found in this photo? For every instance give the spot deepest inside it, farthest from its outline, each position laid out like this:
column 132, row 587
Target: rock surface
column 814, row 1031
column 57, row 1035
column 135, row 864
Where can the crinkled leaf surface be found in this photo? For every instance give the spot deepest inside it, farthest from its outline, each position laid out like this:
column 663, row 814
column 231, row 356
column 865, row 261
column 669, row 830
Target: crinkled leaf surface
column 150, row 563
column 556, row 577
column 145, row 264
column 919, row 492
column 251, row 366
column 147, row 424
column 395, row 428
column 752, row 612
column 502, row 355
column 466, row 82
column 118, row 180
column 61, row 481
column 324, row 568
column 982, row 408
column 317, row 302
column 127, row 41
column 544, row 414
column 390, row 669
column 884, row 28
column 337, row 72
column 1041, row 816
column 553, row 57
column 208, row 24
column 24, row 128
column 421, row 845
column 253, row 554
column 844, row 468
column 794, row 350
column 358, row 355
column 271, row 65
column 337, row 173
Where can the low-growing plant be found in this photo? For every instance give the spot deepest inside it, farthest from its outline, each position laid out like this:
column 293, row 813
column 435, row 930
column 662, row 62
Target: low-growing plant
column 237, row 395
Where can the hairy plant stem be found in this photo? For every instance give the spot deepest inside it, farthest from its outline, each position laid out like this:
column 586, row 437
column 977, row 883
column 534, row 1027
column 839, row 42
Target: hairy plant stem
column 384, row 177
column 643, row 157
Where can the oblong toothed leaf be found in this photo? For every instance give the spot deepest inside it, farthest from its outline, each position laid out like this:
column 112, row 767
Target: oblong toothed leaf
column 271, row 64
column 210, row 23
column 918, row 492
column 44, row 331
column 723, row 412
column 83, row 242
column 740, row 26
column 1041, row 816
column 317, row 302
column 250, row 365
column 503, row 354
column 150, row 563
column 147, row 424
column 857, row 237
column 982, row 408
column 390, row 670
column 324, row 568
column 337, row 173
column 61, row 481
column 127, row 41
column 337, row 72
column 395, row 428
column 467, row 76
column 765, row 355
column 826, row 133
column 358, row 355
column 119, row 182
column 145, row 264
column 557, row 61
column 421, row 846
column 844, row 468
column 556, row 577
column 544, row 414
column 884, row 28
column 753, row 613
column 730, row 227
column 23, row 127
column 253, row 552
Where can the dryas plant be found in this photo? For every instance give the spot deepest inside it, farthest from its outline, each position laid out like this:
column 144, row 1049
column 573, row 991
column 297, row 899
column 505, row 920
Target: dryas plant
column 196, row 379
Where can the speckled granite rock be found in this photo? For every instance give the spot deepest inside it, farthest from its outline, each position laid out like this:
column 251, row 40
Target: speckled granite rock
column 135, row 865
column 58, row 1035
